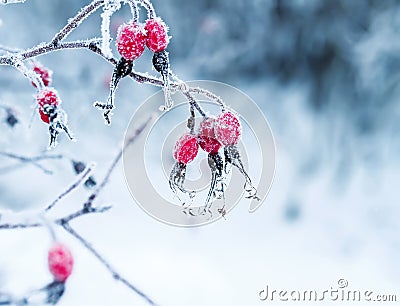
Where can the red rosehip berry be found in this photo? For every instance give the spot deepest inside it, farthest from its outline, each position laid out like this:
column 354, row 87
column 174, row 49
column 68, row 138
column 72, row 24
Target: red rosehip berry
column 44, row 74
column 47, row 97
column 186, row 148
column 228, row 129
column 210, row 145
column 206, row 136
column 60, row 262
column 157, row 35
column 131, row 40
column 207, row 127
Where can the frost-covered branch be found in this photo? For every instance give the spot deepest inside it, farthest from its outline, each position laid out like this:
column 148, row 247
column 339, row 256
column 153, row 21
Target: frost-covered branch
column 106, row 264
column 83, row 176
column 15, row 57
column 9, row 222
column 29, row 160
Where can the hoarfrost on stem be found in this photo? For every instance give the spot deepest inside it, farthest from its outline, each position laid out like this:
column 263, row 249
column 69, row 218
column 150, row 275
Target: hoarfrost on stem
column 109, row 8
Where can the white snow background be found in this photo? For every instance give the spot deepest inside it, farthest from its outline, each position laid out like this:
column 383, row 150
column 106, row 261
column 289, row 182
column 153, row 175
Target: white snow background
column 332, row 212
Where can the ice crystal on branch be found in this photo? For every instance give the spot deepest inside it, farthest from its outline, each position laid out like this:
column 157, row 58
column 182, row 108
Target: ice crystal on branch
column 110, row 7
column 133, row 39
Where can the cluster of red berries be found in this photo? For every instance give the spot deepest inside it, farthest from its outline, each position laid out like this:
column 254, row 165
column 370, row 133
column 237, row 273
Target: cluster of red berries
column 133, row 37
column 225, row 130
column 213, row 134
column 47, row 98
column 48, row 104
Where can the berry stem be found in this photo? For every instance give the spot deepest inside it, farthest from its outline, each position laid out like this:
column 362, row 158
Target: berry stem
column 194, row 104
column 148, row 6
column 134, row 10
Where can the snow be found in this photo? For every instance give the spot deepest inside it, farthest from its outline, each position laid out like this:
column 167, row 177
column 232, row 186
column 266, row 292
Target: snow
column 341, row 183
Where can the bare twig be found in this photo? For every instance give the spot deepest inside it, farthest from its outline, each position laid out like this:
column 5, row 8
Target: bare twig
column 59, row 221
column 30, row 160
column 106, row 264
column 72, row 187
column 193, row 103
column 89, row 209
column 103, row 183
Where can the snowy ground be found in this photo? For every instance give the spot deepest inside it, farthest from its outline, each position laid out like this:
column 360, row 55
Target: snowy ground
column 332, row 212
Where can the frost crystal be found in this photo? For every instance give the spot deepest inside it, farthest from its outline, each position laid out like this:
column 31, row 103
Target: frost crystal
column 228, row 129
column 109, row 8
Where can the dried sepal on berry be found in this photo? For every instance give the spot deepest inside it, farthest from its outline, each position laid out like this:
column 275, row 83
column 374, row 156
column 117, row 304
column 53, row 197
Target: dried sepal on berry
column 156, row 34
column 122, row 69
column 79, row 167
column 232, row 157
column 217, row 186
column 55, row 291
column 60, row 262
column 131, row 40
column 161, row 64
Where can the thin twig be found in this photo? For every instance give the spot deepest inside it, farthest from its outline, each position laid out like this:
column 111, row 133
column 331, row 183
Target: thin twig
column 106, row 264
column 193, row 103
column 72, row 187
column 59, row 221
column 95, row 194
column 29, row 160
column 74, row 22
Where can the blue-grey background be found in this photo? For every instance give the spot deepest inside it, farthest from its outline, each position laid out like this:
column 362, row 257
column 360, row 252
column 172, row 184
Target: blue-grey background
column 326, row 75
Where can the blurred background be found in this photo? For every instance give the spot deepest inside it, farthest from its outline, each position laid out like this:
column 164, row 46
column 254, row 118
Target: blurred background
column 326, row 75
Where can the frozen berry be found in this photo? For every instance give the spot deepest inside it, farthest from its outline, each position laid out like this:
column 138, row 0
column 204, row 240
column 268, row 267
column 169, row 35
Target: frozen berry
column 44, row 74
column 207, row 127
column 227, row 129
column 48, row 96
column 157, row 37
column 47, row 100
column 210, row 145
column 186, row 149
column 60, row 262
column 206, row 136
column 131, row 40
